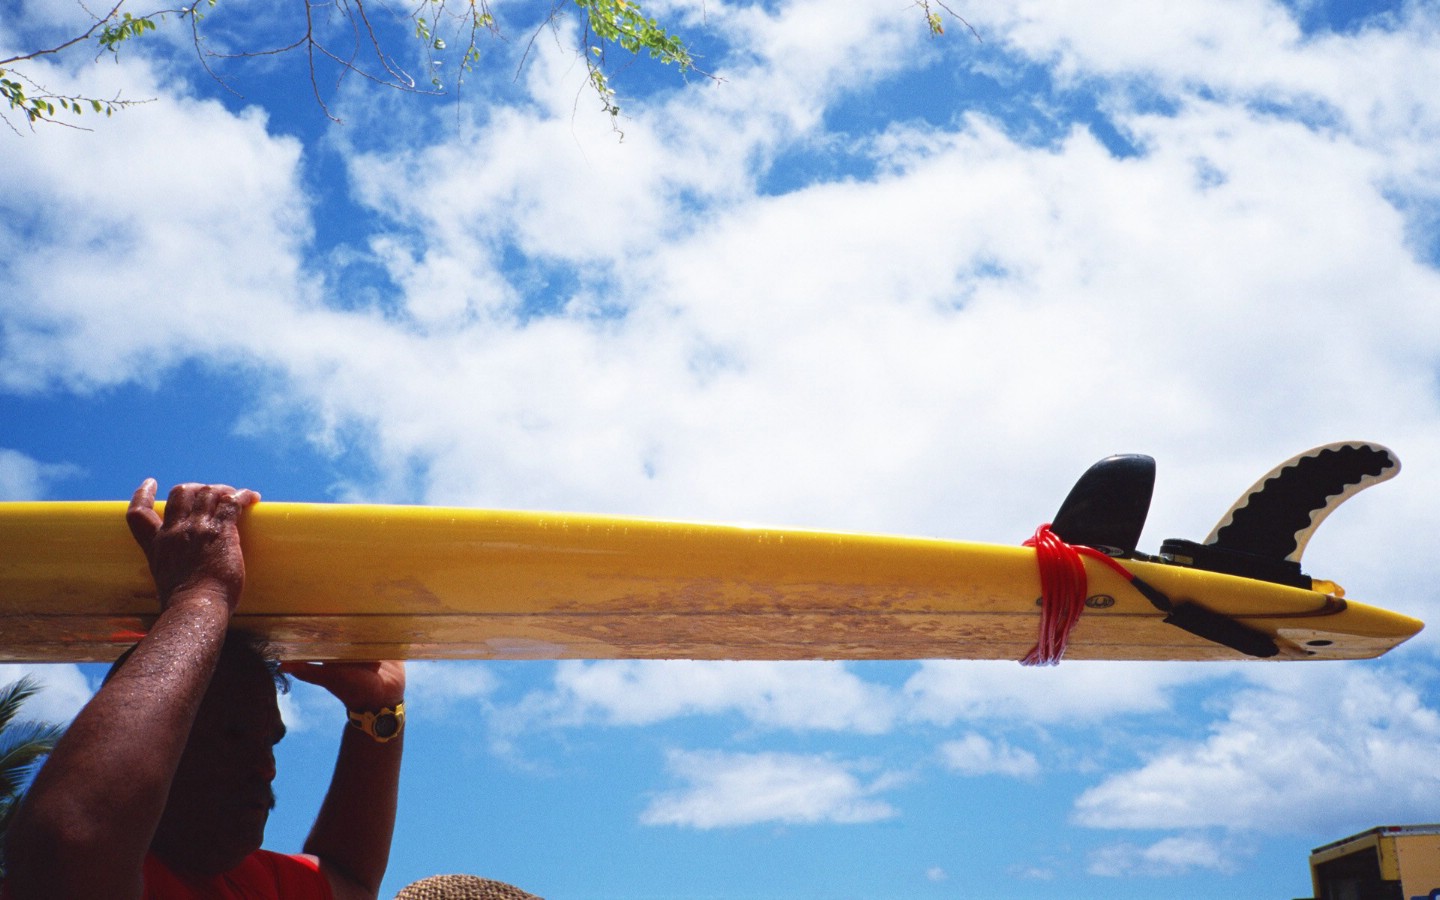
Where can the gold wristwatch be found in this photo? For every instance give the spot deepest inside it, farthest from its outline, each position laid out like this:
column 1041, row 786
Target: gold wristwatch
column 384, row 724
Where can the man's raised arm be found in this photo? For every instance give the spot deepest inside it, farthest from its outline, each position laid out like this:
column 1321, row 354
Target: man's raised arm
column 351, row 835
column 89, row 817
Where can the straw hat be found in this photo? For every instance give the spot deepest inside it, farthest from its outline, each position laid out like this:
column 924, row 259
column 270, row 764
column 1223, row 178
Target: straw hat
column 461, row 887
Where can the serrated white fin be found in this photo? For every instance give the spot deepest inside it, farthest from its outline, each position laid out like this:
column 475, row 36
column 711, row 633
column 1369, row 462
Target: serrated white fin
column 1317, row 515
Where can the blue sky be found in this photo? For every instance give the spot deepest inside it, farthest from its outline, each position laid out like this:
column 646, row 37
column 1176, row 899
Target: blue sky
column 864, row 280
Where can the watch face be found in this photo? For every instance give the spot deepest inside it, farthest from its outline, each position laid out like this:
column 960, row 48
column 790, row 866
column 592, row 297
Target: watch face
column 385, row 725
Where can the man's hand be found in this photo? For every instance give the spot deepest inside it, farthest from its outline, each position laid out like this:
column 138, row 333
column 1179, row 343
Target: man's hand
column 358, row 685
column 197, row 545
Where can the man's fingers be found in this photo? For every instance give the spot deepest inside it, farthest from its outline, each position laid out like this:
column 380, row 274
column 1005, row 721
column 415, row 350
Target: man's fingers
column 141, row 516
column 326, row 674
column 229, row 502
column 144, row 496
column 181, row 501
column 359, row 685
column 219, row 500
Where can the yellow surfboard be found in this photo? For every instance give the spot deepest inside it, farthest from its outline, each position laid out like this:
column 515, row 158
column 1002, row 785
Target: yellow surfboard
column 376, row 582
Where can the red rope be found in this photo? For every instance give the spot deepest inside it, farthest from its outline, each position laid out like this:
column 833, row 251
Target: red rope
column 1063, row 586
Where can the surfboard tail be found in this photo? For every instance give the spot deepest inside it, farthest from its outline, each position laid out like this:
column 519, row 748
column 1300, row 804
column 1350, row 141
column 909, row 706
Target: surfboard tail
column 1262, row 537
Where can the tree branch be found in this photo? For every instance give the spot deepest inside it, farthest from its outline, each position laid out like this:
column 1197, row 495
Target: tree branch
column 36, row 54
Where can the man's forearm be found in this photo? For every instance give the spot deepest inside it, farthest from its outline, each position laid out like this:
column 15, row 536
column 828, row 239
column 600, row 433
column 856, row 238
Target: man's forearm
column 352, row 833
column 89, row 816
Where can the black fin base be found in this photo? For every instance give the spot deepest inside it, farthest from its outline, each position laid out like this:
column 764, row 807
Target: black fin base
column 1213, row 626
column 1233, row 562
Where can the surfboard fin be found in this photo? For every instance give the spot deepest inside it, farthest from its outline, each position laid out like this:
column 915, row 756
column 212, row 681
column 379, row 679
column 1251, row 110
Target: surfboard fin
column 1106, row 508
column 1264, row 534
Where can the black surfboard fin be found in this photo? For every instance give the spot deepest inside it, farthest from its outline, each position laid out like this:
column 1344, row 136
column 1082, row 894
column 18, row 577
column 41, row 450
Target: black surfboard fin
column 1106, row 508
column 1265, row 533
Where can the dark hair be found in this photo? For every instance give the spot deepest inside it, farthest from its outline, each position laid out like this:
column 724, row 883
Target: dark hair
column 239, row 646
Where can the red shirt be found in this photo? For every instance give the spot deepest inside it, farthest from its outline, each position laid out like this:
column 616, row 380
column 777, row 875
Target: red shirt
column 262, row 876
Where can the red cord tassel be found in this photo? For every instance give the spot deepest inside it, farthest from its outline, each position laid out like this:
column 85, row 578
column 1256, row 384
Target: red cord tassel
column 1063, row 587
column 1062, row 591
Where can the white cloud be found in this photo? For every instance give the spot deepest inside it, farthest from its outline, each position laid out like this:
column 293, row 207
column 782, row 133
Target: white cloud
column 834, row 696
column 1031, row 872
column 841, row 697
column 444, row 684
column 1180, row 49
column 726, row 790
column 23, row 478
column 1128, row 38
column 1252, row 53
column 824, row 696
column 1177, row 855
column 663, row 401
column 182, row 240
column 944, row 692
column 974, row 754
column 1323, row 750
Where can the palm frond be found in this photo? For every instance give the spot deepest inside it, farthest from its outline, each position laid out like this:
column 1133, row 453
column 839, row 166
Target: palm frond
column 13, row 696
column 22, row 747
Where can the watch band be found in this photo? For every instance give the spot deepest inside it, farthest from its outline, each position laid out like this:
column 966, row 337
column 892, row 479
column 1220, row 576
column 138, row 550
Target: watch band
column 383, row 725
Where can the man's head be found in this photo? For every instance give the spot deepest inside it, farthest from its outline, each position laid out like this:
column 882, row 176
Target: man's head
column 221, row 798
